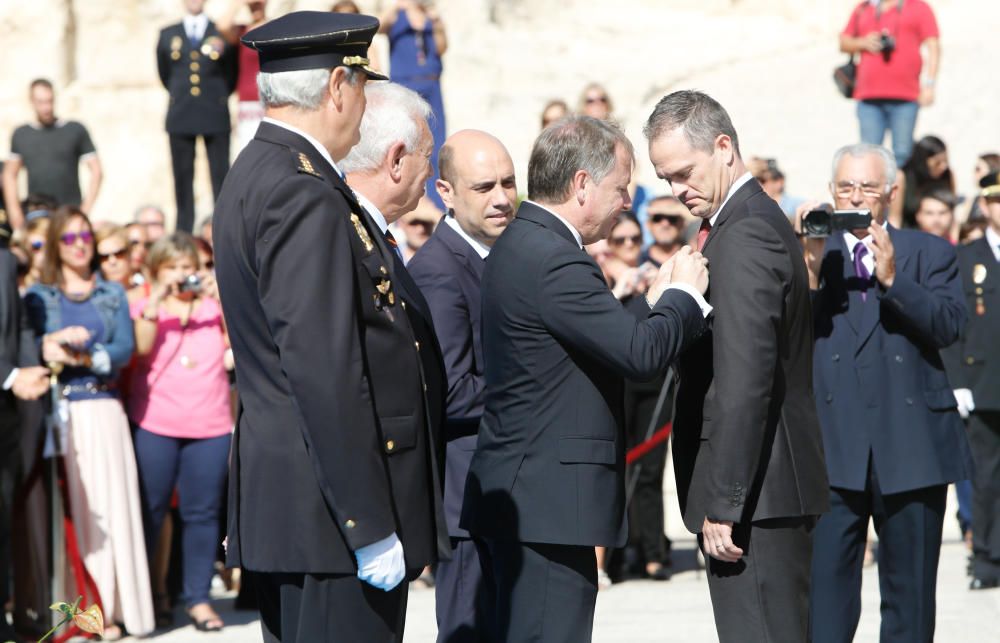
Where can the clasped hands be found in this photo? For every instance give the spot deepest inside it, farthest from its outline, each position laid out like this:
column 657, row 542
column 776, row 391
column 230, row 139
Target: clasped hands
column 687, row 266
column 67, row 346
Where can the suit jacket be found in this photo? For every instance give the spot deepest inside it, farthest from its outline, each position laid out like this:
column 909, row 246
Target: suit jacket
column 881, row 389
column 333, row 448
column 449, row 272
column 17, row 344
column 550, row 461
column 973, row 362
column 747, row 443
column 199, row 78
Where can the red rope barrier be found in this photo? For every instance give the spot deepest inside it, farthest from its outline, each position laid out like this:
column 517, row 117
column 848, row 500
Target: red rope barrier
column 643, row 448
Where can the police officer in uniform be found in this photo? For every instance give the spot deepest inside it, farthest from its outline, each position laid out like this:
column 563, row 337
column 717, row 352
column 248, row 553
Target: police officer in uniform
column 335, row 482
column 198, row 68
column 973, row 365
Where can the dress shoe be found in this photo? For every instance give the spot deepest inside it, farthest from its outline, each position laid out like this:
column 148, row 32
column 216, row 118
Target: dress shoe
column 984, row 583
column 658, row 572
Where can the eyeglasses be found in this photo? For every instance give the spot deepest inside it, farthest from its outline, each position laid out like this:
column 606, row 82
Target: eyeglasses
column 660, row 218
column 620, row 241
column 120, row 255
column 135, row 242
column 71, row 238
column 845, row 189
column 596, row 99
column 37, row 245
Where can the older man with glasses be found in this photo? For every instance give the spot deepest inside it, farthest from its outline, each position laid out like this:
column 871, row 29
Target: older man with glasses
column 885, row 302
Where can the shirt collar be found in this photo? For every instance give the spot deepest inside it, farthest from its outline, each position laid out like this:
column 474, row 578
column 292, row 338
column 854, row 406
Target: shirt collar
column 993, row 239
column 375, row 213
column 740, row 182
column 852, row 241
column 576, row 235
column 200, row 20
column 319, row 146
column 481, row 248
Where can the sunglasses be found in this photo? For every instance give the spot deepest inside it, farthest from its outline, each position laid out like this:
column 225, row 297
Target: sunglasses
column 673, row 219
column 71, row 238
column 120, row 255
column 620, row 241
column 596, row 99
column 37, row 245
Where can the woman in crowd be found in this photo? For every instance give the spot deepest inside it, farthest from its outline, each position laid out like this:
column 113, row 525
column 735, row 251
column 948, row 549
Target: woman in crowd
column 417, row 41
column 595, row 102
column 553, row 111
column 987, row 163
column 374, row 53
column 926, row 170
column 179, row 402
column 36, row 232
column 251, row 111
column 138, row 246
column 86, row 334
column 113, row 255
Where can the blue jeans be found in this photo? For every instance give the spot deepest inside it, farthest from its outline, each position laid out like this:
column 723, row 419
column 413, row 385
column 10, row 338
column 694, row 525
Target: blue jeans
column 198, row 469
column 896, row 116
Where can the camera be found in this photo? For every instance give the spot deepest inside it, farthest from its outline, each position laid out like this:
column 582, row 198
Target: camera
column 888, row 45
column 824, row 221
column 191, row 283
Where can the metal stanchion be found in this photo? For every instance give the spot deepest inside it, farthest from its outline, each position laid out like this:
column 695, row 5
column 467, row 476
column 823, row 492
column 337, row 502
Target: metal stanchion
column 53, row 451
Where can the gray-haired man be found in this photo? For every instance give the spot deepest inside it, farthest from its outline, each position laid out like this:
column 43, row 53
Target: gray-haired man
column 334, row 484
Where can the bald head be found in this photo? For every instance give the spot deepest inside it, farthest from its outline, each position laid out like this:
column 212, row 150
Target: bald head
column 477, row 183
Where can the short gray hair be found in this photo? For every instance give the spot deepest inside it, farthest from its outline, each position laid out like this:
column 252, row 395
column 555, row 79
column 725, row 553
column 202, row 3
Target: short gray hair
column 149, row 206
column 393, row 115
column 702, row 117
column 861, row 150
column 567, row 146
column 303, row 88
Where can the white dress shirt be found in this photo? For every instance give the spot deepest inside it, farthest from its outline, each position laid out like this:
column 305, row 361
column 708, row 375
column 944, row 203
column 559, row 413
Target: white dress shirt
column 375, row 213
column 481, row 248
column 319, row 146
column 576, row 235
column 869, row 259
column 993, row 239
column 195, row 26
column 740, row 182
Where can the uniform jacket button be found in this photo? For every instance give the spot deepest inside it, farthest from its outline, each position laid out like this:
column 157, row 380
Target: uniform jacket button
column 909, row 401
column 417, row 345
column 390, row 445
column 836, row 357
column 899, row 358
column 829, row 397
column 350, row 524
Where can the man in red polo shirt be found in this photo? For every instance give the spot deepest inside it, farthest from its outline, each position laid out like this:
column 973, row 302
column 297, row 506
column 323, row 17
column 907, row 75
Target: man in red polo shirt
column 890, row 88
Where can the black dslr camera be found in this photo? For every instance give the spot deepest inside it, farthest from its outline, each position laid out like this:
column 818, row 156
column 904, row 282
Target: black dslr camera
column 888, row 45
column 192, row 284
column 824, row 221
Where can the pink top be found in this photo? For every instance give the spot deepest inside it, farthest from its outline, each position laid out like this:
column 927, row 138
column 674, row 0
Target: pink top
column 181, row 389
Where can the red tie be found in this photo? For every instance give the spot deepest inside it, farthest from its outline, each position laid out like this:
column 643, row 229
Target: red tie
column 703, row 231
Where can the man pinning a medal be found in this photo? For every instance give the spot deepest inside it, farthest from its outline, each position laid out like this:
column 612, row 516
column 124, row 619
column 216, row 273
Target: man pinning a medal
column 974, row 372
column 335, row 481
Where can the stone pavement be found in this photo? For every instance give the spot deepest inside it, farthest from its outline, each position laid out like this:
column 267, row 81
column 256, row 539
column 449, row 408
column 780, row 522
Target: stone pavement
column 680, row 611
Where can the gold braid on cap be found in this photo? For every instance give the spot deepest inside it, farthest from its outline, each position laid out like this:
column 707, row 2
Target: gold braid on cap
column 350, row 61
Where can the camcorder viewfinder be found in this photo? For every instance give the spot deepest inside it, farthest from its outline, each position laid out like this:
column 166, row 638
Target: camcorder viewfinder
column 824, row 221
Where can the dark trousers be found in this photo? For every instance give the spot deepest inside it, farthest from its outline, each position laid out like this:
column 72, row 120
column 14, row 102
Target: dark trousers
column 765, row 595
column 544, row 592
column 646, row 521
column 307, row 608
column 909, row 527
column 182, row 155
column 10, row 467
column 984, row 440
column 463, row 599
column 198, row 470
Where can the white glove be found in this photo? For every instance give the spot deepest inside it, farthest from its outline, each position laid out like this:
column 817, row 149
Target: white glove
column 965, row 404
column 381, row 564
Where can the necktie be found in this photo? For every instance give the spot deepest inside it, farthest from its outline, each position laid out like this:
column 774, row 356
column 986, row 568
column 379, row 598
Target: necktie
column 706, row 227
column 391, row 240
column 860, row 252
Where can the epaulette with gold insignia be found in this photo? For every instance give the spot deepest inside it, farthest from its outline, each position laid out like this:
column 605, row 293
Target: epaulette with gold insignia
column 306, row 167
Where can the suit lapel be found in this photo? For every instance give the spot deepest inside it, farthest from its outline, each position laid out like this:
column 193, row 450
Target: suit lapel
column 871, row 309
column 746, row 191
column 541, row 216
column 466, row 255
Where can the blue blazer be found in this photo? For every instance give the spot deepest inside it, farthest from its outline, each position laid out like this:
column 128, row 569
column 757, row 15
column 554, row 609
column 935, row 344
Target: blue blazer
column 879, row 382
column 449, row 273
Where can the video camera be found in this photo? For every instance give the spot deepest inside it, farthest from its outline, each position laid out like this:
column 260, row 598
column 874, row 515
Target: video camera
column 824, row 220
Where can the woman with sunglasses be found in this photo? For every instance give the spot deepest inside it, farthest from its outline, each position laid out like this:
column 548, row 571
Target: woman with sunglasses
column 85, row 332
column 179, row 402
column 113, row 255
column 595, row 102
column 35, row 234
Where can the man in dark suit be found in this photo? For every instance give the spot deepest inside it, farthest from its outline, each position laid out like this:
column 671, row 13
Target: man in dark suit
column 334, row 489
column 22, row 378
column 546, row 482
column 747, row 449
column 973, row 365
column 198, row 68
column 886, row 302
column 478, row 188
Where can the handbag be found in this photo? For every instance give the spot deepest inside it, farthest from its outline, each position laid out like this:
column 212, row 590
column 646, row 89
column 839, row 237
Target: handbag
column 846, row 75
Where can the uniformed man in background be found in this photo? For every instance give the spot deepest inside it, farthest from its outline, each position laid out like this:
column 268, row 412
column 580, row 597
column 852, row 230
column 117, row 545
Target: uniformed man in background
column 334, row 485
column 973, row 365
column 198, row 68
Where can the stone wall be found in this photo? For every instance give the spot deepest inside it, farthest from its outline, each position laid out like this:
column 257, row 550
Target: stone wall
column 767, row 61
